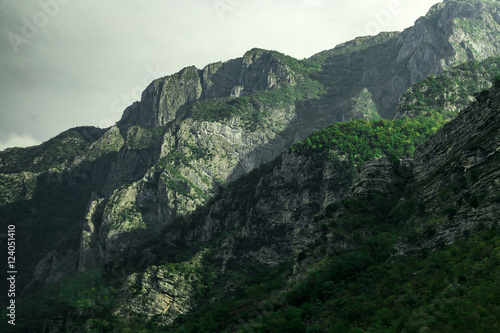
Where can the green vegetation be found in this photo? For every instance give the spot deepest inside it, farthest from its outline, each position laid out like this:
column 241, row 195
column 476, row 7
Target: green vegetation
column 476, row 29
column 111, row 142
column 367, row 288
column 227, row 315
column 364, row 107
column 432, row 16
column 445, row 95
column 255, row 110
column 359, row 44
column 355, row 280
column 190, row 73
column 85, row 292
column 364, row 287
column 433, row 290
column 351, row 68
column 357, row 141
column 128, row 218
column 173, row 178
column 196, row 276
column 141, row 138
column 123, row 211
column 57, row 153
column 92, row 308
column 302, row 67
column 17, row 187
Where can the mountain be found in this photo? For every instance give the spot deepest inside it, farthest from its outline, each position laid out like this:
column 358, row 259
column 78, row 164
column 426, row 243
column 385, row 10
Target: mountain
column 338, row 219
column 413, row 245
column 214, row 177
column 450, row 92
column 386, row 65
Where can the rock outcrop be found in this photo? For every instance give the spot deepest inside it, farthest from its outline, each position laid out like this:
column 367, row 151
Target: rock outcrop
column 451, row 33
column 160, row 162
column 457, row 175
column 169, row 98
column 449, row 92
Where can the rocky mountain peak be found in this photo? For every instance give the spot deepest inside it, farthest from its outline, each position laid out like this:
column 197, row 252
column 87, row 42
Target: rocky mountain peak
column 452, row 32
column 169, row 98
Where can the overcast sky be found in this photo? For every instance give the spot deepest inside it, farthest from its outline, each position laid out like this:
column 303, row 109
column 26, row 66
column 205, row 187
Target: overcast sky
column 67, row 63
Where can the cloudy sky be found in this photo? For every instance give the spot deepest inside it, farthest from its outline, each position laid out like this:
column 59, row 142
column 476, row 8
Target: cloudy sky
column 67, row 63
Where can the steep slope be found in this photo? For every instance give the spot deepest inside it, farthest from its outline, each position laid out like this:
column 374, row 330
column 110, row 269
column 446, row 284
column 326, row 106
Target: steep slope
column 448, row 93
column 141, row 175
column 35, row 183
column 386, row 65
column 261, row 220
column 456, row 173
column 356, row 276
column 168, row 99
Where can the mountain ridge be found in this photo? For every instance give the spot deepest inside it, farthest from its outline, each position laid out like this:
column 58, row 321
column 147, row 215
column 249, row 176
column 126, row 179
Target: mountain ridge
column 385, row 194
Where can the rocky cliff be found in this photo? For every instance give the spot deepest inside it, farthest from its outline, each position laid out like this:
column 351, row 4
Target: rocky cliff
column 169, row 98
column 451, row 33
column 449, row 92
column 456, row 174
column 144, row 174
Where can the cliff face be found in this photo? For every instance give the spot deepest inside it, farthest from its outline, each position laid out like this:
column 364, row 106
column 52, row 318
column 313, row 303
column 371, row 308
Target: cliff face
column 163, row 163
column 168, row 99
column 261, row 220
column 456, row 173
column 451, row 33
column 448, row 93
